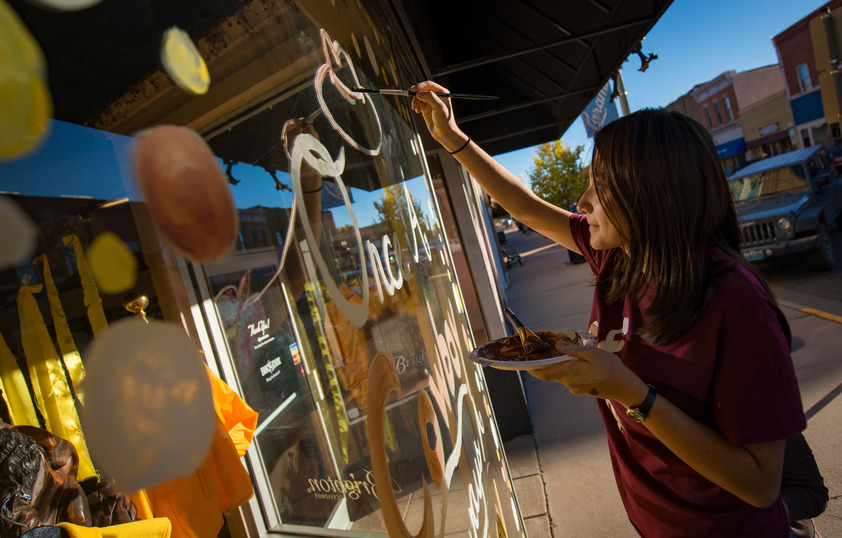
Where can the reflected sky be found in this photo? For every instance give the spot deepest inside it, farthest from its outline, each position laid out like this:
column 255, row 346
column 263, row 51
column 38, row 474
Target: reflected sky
column 73, row 161
column 80, row 162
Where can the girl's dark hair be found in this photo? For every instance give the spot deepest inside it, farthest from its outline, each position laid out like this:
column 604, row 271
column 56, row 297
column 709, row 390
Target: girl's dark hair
column 658, row 177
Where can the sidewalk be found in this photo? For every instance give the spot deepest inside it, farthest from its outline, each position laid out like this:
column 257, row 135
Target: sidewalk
column 562, row 472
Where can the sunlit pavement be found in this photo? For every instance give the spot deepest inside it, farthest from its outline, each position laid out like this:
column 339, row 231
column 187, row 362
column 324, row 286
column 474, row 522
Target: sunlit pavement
column 562, row 473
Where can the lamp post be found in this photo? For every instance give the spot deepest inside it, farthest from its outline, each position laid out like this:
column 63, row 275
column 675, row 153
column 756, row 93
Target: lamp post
column 619, row 85
column 620, row 92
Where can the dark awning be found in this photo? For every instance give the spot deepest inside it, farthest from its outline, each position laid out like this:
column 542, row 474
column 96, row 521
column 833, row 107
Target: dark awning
column 545, row 59
column 774, row 137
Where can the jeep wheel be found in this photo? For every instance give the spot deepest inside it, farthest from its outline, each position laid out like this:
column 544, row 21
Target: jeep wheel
column 575, row 258
column 823, row 258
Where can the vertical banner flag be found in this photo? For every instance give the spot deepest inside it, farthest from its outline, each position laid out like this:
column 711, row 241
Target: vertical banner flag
column 600, row 111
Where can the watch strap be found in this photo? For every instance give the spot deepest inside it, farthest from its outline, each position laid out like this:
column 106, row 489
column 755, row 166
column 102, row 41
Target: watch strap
column 639, row 413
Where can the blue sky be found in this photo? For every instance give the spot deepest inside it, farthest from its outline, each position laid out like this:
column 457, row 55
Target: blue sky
column 695, row 41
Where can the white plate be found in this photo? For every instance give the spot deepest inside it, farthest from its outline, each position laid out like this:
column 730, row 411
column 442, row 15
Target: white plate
column 485, row 353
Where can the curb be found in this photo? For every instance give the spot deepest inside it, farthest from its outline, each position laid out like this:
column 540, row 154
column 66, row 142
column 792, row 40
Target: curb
column 812, row 311
column 822, row 314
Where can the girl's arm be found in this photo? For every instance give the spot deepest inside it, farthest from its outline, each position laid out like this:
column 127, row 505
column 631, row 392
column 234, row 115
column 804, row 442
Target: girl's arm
column 750, row 472
column 506, row 189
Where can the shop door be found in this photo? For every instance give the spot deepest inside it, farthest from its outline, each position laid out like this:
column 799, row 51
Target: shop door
column 261, row 353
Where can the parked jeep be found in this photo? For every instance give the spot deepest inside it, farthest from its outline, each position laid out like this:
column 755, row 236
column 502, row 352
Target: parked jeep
column 787, row 204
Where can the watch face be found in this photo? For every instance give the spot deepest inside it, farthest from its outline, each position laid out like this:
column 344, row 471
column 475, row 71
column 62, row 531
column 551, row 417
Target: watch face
column 636, row 415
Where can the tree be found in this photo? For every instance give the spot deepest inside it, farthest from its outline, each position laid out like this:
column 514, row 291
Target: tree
column 393, row 208
column 557, row 174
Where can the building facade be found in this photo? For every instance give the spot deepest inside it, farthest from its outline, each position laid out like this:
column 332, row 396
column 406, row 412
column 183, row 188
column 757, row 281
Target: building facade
column 720, row 114
column 797, row 58
column 686, row 105
column 767, row 124
column 746, row 113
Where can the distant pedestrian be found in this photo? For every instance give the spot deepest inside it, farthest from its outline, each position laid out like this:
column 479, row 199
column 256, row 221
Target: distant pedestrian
column 693, row 374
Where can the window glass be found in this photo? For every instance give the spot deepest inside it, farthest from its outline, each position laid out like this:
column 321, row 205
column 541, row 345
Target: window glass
column 728, row 108
column 337, row 315
column 823, row 162
column 772, row 182
column 805, row 138
column 718, row 113
column 803, row 73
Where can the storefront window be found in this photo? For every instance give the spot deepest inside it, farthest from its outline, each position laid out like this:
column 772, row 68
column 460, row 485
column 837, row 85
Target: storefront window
column 338, row 314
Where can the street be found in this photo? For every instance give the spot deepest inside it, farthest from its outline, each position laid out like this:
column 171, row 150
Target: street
column 548, row 292
column 793, row 276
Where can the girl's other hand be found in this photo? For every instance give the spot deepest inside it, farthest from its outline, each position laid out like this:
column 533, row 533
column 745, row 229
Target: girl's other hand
column 292, row 128
column 595, row 372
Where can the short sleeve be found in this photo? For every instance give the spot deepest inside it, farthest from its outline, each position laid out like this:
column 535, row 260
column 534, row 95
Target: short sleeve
column 755, row 394
column 582, row 237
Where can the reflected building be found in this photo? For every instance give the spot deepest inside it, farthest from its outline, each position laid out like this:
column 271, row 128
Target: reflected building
column 363, row 273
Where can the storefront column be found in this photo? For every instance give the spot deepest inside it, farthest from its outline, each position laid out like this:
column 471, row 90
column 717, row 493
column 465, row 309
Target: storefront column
column 506, row 387
column 486, row 268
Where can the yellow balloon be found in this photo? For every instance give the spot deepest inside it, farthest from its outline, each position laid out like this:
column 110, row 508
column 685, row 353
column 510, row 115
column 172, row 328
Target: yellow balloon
column 25, row 104
column 113, row 265
column 183, row 63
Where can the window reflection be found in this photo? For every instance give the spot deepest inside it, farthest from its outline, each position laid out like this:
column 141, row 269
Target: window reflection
column 340, row 271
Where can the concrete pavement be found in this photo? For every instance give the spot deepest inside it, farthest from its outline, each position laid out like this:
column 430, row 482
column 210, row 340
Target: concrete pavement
column 562, row 473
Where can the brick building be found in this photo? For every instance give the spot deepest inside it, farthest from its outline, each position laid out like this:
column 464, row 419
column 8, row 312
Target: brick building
column 797, row 58
column 739, row 111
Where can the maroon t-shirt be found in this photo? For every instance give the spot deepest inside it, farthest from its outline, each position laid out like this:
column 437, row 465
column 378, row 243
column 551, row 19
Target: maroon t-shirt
column 731, row 370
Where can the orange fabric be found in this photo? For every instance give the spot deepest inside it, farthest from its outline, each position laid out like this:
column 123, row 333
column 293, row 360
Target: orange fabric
column 195, row 503
column 239, row 419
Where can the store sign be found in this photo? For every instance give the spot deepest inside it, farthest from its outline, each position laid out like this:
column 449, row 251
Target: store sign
column 334, row 488
column 769, row 129
column 269, row 370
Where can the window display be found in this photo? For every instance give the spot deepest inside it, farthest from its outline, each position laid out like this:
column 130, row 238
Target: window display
column 336, row 314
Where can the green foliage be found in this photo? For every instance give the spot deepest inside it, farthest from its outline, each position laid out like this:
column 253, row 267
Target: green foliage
column 557, row 175
column 392, row 209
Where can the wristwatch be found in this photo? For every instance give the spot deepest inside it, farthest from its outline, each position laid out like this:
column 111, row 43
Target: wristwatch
column 639, row 413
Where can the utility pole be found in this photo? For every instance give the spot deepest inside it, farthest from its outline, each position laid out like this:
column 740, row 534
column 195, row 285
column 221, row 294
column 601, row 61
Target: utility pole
column 834, row 63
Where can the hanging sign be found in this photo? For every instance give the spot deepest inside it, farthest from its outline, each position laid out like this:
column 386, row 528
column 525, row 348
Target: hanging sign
column 600, row 111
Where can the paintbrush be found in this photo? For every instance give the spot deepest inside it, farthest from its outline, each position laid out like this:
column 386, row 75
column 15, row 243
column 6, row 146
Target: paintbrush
column 530, row 341
column 407, row 93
